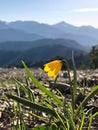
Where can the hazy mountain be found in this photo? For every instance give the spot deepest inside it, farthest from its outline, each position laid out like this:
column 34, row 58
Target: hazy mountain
column 37, row 54
column 31, row 30
column 84, row 35
column 7, row 57
column 88, row 30
column 44, row 30
column 3, row 25
column 33, row 41
column 25, row 45
column 89, row 33
column 17, row 35
column 65, row 27
column 40, row 50
column 82, row 30
column 49, row 51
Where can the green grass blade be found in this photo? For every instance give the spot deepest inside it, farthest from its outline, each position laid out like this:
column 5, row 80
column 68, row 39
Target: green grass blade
column 90, row 122
column 41, row 87
column 40, row 117
column 84, row 102
column 82, row 121
column 21, row 86
column 26, row 90
column 30, row 94
column 95, row 114
column 42, row 127
column 75, row 81
column 19, row 109
column 69, row 117
column 61, row 120
column 32, row 105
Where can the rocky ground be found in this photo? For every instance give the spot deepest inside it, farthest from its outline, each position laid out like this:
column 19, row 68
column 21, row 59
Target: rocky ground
column 86, row 79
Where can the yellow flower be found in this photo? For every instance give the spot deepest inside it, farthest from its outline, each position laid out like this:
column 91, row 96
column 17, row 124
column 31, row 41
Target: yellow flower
column 53, row 68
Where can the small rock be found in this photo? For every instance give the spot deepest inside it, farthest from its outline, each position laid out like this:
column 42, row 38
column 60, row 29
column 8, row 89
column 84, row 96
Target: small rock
column 63, row 87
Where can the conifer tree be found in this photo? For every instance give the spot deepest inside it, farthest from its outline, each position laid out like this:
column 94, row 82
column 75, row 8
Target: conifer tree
column 94, row 57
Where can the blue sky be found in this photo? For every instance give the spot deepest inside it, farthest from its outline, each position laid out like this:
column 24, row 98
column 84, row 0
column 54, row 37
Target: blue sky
column 76, row 12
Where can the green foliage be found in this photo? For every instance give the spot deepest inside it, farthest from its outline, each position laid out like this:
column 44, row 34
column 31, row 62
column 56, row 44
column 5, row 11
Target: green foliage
column 94, row 57
column 60, row 113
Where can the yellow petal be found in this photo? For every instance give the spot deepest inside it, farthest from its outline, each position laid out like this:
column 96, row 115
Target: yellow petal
column 46, row 68
column 50, row 73
column 54, row 77
column 58, row 68
column 53, row 68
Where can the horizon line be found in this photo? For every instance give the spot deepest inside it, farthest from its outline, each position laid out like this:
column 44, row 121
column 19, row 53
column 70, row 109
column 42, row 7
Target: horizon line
column 62, row 21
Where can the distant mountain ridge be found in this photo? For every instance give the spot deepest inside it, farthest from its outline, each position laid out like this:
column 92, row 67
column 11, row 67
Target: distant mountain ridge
column 37, row 54
column 32, row 30
column 9, row 34
column 33, row 41
column 82, row 30
column 25, row 45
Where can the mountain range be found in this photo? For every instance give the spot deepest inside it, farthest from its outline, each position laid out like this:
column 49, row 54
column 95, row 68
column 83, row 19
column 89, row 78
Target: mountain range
column 37, row 51
column 30, row 40
column 31, row 30
column 25, row 45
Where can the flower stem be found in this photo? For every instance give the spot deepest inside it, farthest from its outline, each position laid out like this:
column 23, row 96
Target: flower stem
column 70, row 82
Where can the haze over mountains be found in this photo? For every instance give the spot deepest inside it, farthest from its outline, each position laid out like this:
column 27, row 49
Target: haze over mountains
column 32, row 39
column 31, row 30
